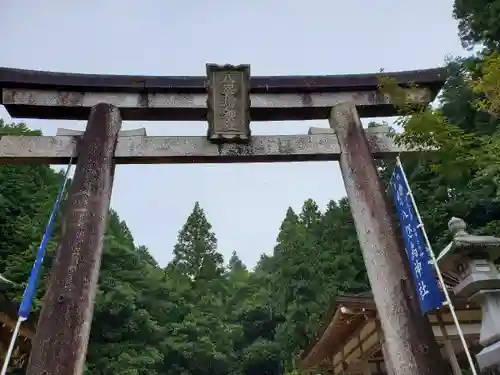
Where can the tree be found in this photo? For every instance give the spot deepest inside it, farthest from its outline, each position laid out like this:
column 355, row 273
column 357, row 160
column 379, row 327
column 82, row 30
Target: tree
column 461, row 177
column 27, row 194
column 340, row 258
column 195, row 253
column 317, row 256
column 478, row 22
column 235, row 264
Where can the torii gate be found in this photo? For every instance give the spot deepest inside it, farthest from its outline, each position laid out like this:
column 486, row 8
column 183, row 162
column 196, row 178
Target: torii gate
column 228, row 99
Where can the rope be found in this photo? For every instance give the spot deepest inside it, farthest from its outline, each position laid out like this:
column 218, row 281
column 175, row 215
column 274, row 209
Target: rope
column 30, row 290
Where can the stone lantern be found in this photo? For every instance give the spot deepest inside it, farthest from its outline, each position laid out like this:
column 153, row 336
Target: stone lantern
column 471, row 259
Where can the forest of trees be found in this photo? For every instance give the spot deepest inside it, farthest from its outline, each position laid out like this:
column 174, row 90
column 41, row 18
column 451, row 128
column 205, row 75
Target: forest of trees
column 203, row 315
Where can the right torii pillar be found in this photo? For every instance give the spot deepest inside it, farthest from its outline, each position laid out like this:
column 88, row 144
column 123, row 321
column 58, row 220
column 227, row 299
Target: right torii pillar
column 411, row 347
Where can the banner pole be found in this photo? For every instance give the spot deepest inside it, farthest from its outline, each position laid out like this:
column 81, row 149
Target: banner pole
column 13, row 339
column 438, row 271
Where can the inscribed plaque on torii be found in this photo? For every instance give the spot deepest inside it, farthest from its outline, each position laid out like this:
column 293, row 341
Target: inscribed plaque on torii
column 228, row 103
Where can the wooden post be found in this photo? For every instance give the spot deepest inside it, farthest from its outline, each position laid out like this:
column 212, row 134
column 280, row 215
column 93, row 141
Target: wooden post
column 60, row 343
column 383, row 260
column 365, row 364
column 343, row 364
column 366, row 367
column 452, row 357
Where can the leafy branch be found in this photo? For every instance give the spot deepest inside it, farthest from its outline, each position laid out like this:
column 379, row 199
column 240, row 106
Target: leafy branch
column 457, row 152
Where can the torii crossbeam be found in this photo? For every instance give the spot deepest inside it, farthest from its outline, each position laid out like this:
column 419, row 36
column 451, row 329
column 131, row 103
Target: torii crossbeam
column 48, row 95
column 320, row 145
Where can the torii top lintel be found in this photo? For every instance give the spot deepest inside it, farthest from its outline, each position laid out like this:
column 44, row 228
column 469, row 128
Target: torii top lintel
column 25, row 93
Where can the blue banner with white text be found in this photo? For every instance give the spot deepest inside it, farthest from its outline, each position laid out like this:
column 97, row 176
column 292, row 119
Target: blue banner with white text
column 429, row 293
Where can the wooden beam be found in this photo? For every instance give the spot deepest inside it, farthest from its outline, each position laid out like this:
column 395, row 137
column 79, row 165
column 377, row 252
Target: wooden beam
column 34, row 79
column 179, row 150
column 357, row 334
column 317, row 352
column 50, row 95
column 450, row 353
column 141, row 132
column 72, row 105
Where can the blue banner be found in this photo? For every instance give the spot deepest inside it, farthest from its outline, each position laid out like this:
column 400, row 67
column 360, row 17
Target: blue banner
column 429, row 293
column 30, row 290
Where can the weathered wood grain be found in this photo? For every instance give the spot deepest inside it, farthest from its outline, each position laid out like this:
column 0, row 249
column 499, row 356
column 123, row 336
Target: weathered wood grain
column 172, row 150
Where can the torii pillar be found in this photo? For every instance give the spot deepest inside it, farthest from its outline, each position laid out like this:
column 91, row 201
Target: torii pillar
column 60, row 343
column 410, row 352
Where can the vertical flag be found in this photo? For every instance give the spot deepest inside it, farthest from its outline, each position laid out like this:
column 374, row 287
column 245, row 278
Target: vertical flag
column 31, row 286
column 429, row 293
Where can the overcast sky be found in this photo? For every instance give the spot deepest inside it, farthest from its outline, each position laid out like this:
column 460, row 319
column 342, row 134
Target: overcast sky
column 244, row 203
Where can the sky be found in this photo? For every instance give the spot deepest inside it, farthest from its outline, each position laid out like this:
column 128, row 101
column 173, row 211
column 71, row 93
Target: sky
column 245, row 203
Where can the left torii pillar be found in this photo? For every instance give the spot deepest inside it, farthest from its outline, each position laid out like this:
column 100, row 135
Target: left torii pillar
column 60, row 343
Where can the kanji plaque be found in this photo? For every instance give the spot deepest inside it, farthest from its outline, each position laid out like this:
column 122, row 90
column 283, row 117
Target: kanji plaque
column 228, row 103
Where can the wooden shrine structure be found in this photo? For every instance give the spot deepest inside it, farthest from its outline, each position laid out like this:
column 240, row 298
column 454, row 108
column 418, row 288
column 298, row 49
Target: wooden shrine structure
column 228, row 98
column 351, row 341
column 46, row 95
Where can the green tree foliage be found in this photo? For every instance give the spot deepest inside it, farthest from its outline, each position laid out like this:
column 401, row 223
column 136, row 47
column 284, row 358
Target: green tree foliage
column 235, row 264
column 478, row 22
column 195, row 253
column 26, row 197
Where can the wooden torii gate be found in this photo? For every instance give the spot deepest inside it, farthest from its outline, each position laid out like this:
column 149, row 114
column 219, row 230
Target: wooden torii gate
column 228, row 98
